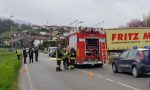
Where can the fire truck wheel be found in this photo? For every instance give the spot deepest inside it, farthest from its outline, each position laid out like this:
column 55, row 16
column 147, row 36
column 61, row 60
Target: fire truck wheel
column 98, row 65
column 76, row 65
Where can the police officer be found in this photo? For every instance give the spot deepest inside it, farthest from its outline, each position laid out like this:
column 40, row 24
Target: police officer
column 25, row 55
column 18, row 52
column 58, row 56
column 30, row 55
column 65, row 59
column 72, row 58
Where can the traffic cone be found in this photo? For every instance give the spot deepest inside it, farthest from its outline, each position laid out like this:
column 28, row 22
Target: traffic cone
column 90, row 75
column 24, row 70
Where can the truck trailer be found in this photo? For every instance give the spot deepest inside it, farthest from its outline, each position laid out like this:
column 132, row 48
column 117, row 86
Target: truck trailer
column 129, row 38
column 90, row 45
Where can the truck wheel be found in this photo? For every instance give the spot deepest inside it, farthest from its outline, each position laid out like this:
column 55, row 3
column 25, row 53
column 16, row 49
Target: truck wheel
column 76, row 65
column 135, row 71
column 98, row 65
column 114, row 68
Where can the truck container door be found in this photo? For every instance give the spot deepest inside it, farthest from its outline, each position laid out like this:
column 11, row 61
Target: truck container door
column 80, row 50
column 92, row 47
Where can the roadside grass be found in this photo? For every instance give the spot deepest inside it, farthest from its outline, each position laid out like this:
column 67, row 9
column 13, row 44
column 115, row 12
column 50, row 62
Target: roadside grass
column 9, row 70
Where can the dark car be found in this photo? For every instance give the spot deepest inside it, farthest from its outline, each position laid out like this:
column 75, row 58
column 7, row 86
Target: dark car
column 135, row 61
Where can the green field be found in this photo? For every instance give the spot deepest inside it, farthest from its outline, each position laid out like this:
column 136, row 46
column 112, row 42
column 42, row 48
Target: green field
column 7, row 34
column 9, row 70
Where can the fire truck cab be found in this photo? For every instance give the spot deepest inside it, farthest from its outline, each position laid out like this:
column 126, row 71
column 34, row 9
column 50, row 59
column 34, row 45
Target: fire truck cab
column 90, row 45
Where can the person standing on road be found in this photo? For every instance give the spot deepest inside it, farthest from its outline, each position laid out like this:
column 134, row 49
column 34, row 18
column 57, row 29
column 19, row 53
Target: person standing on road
column 30, row 55
column 58, row 56
column 36, row 52
column 65, row 59
column 72, row 57
column 25, row 55
column 18, row 52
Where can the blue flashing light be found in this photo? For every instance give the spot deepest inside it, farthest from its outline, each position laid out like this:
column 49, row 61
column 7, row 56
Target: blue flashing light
column 146, row 47
column 135, row 47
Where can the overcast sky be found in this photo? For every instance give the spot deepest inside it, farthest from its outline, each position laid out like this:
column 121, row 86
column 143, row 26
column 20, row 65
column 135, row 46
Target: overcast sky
column 114, row 13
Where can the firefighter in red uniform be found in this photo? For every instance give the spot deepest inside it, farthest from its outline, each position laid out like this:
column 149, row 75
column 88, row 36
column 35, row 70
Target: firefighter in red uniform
column 72, row 57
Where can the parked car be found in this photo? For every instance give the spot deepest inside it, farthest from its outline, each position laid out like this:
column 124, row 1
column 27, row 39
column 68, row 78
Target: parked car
column 51, row 51
column 135, row 61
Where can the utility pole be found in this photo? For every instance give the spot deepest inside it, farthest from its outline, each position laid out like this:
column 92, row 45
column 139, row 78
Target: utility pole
column 11, row 34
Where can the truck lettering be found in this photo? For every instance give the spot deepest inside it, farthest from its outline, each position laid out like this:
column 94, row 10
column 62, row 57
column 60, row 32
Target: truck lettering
column 113, row 37
column 136, row 36
column 146, row 36
column 130, row 35
column 120, row 36
column 126, row 36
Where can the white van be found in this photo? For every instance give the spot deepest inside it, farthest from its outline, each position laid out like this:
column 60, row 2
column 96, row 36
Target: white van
column 51, row 51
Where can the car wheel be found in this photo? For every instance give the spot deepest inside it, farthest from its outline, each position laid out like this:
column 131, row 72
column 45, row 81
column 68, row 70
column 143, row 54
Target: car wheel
column 135, row 71
column 114, row 68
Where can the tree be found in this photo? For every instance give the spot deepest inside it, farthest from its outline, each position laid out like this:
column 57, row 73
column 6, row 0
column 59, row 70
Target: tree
column 134, row 23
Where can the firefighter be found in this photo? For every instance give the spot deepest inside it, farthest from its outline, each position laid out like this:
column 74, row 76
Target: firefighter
column 18, row 52
column 58, row 56
column 65, row 59
column 72, row 57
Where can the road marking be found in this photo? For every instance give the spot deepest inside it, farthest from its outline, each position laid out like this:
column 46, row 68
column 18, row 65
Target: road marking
column 29, row 78
column 99, row 76
column 111, row 80
column 127, row 86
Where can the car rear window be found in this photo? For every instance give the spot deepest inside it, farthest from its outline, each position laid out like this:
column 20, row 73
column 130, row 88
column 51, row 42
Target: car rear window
column 145, row 53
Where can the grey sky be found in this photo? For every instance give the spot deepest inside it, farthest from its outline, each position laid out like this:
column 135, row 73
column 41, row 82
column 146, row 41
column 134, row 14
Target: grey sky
column 62, row 12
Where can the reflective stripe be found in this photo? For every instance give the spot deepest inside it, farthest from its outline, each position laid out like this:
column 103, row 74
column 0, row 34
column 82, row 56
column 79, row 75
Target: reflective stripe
column 18, row 52
column 58, row 59
column 57, row 56
column 72, row 58
column 65, row 54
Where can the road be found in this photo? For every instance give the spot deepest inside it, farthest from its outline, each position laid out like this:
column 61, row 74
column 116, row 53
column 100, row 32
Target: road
column 42, row 76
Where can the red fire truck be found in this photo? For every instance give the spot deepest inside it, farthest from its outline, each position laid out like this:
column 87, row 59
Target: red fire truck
column 90, row 45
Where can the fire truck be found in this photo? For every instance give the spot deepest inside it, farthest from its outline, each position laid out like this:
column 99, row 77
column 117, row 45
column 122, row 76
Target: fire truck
column 90, row 45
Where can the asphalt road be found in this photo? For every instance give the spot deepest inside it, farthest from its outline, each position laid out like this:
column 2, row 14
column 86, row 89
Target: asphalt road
column 42, row 76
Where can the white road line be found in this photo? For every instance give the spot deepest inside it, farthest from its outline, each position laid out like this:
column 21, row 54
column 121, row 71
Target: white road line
column 127, row 86
column 29, row 78
column 85, row 71
column 21, row 86
column 111, row 80
column 99, row 76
